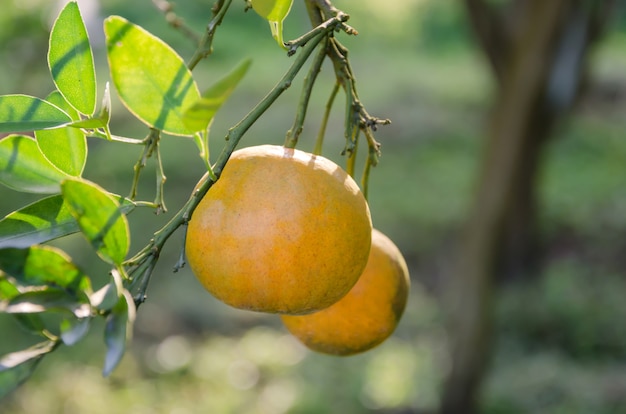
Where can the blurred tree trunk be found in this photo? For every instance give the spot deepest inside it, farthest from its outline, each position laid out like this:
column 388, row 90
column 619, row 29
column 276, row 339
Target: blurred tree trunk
column 537, row 50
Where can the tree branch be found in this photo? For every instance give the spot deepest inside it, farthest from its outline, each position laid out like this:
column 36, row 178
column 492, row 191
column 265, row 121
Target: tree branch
column 491, row 33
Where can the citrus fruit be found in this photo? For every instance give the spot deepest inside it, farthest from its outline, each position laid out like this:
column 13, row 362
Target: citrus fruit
column 368, row 314
column 281, row 231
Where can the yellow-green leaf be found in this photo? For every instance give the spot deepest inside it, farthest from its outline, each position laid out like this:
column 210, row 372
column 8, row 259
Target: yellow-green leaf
column 20, row 113
column 71, row 61
column 100, row 218
column 24, row 168
column 151, row 79
column 65, row 147
column 198, row 116
column 42, row 266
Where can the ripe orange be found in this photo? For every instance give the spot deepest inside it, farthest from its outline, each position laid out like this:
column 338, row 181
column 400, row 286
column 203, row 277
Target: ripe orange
column 368, row 314
column 281, row 231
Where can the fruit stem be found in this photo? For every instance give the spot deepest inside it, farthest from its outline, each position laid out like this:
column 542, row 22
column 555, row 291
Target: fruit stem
column 320, row 135
column 352, row 151
column 372, row 159
column 309, row 80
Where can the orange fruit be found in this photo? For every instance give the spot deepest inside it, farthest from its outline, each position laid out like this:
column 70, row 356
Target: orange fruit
column 368, row 314
column 281, row 231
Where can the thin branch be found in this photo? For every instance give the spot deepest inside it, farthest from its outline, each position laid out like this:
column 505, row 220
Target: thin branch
column 205, row 47
column 324, row 27
column 328, row 10
column 159, row 198
column 148, row 143
column 174, row 20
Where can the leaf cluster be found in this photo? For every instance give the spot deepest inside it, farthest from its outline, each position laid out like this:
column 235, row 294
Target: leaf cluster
column 45, row 152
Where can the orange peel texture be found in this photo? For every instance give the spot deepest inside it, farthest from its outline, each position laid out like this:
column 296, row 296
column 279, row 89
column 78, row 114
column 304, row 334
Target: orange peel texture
column 368, row 314
column 281, row 231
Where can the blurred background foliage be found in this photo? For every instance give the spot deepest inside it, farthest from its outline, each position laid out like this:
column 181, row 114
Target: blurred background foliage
column 561, row 339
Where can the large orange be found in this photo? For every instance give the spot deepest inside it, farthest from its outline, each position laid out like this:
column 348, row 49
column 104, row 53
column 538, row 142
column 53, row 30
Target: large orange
column 281, row 231
column 368, row 314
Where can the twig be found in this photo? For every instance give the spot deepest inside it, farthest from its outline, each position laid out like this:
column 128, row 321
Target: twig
column 174, row 20
column 159, row 199
column 205, row 46
column 356, row 117
column 149, row 143
column 325, row 27
column 327, row 10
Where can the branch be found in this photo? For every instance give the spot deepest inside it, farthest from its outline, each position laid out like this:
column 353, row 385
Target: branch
column 205, row 47
column 174, row 20
column 324, row 27
column 320, row 10
column 492, row 34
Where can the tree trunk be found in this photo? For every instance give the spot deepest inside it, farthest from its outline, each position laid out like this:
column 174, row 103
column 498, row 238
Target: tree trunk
column 519, row 252
column 522, row 85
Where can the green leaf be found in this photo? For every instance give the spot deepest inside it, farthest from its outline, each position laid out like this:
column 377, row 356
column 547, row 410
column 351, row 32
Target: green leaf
column 44, row 300
column 56, row 99
column 103, row 118
column 105, row 110
column 71, row 61
column 19, row 113
column 14, row 359
column 90, row 123
column 151, row 79
column 43, row 266
column 99, row 217
column 7, row 289
column 274, row 11
column 42, row 221
column 24, row 168
column 38, row 222
column 29, row 322
column 106, row 297
column 73, row 331
column 198, row 116
column 117, row 332
column 65, row 147
column 17, row 367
